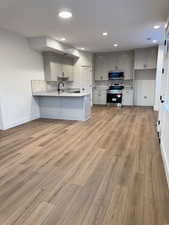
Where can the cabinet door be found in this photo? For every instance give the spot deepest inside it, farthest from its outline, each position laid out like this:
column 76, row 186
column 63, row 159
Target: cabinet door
column 152, row 58
column 67, row 68
column 100, row 68
column 127, row 98
column 99, row 97
column 52, row 66
column 125, row 64
column 145, row 58
column 112, row 62
column 105, row 70
column 52, row 71
column 67, row 71
column 139, row 62
column 103, row 98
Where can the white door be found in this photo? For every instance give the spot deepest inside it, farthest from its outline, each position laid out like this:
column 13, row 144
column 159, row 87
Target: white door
column 86, row 80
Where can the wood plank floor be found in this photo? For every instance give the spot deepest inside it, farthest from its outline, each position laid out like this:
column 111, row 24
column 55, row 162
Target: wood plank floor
column 106, row 171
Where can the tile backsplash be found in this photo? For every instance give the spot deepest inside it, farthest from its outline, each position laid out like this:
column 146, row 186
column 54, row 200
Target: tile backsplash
column 38, row 85
column 42, row 85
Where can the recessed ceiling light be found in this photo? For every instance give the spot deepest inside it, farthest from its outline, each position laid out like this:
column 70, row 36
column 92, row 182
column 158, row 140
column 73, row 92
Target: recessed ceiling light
column 156, row 27
column 63, row 39
column 154, row 41
column 104, row 33
column 65, row 14
column 115, row 45
column 82, row 48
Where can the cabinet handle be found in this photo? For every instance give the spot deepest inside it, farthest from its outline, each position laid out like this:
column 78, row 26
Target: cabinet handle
column 145, row 65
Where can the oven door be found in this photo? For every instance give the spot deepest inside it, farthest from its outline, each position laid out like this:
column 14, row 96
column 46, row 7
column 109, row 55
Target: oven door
column 114, row 98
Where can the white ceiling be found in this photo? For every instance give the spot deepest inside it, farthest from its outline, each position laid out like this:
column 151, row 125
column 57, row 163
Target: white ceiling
column 128, row 22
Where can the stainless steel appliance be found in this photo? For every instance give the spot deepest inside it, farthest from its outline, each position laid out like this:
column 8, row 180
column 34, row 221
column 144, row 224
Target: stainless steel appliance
column 114, row 94
column 116, row 75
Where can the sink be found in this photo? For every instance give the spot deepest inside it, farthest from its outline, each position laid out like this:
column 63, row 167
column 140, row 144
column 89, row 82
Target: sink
column 71, row 91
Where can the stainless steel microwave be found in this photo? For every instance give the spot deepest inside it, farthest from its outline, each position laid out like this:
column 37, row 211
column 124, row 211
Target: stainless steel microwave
column 116, row 75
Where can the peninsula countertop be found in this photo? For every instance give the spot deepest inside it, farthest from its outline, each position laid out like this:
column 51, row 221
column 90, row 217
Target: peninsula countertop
column 59, row 94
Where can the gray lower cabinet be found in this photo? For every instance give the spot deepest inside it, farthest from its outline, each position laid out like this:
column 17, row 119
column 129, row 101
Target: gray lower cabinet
column 127, row 99
column 99, row 97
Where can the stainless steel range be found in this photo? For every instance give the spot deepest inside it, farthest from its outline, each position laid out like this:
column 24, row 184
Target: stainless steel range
column 114, row 94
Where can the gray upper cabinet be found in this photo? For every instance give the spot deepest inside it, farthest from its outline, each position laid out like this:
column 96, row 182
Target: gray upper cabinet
column 101, row 72
column 112, row 62
column 55, row 71
column 145, row 58
column 67, row 68
column 57, row 66
column 116, row 61
column 67, row 71
column 125, row 64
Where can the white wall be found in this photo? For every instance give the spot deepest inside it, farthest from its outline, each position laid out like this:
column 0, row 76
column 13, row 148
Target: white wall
column 144, row 87
column 158, row 77
column 18, row 66
column 163, row 117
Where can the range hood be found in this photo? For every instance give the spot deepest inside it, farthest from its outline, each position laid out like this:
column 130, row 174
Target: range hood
column 43, row 44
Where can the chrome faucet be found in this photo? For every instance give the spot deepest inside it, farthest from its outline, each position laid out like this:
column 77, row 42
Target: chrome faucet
column 59, row 83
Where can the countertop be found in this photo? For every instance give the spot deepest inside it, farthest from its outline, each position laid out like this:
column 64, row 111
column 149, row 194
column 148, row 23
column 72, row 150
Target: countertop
column 61, row 94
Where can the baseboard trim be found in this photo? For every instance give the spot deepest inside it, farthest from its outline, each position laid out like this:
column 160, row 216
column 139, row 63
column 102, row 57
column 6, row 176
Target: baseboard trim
column 22, row 121
column 166, row 163
column 62, row 117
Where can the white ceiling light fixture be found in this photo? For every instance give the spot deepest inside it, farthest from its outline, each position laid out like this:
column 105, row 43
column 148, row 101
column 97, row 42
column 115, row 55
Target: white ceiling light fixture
column 63, row 39
column 115, row 45
column 82, row 48
column 104, row 33
column 156, row 27
column 65, row 14
column 154, row 41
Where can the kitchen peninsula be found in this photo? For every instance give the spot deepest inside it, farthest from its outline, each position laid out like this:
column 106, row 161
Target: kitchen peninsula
column 64, row 105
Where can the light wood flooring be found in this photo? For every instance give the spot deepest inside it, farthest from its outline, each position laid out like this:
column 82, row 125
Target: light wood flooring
column 106, row 171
